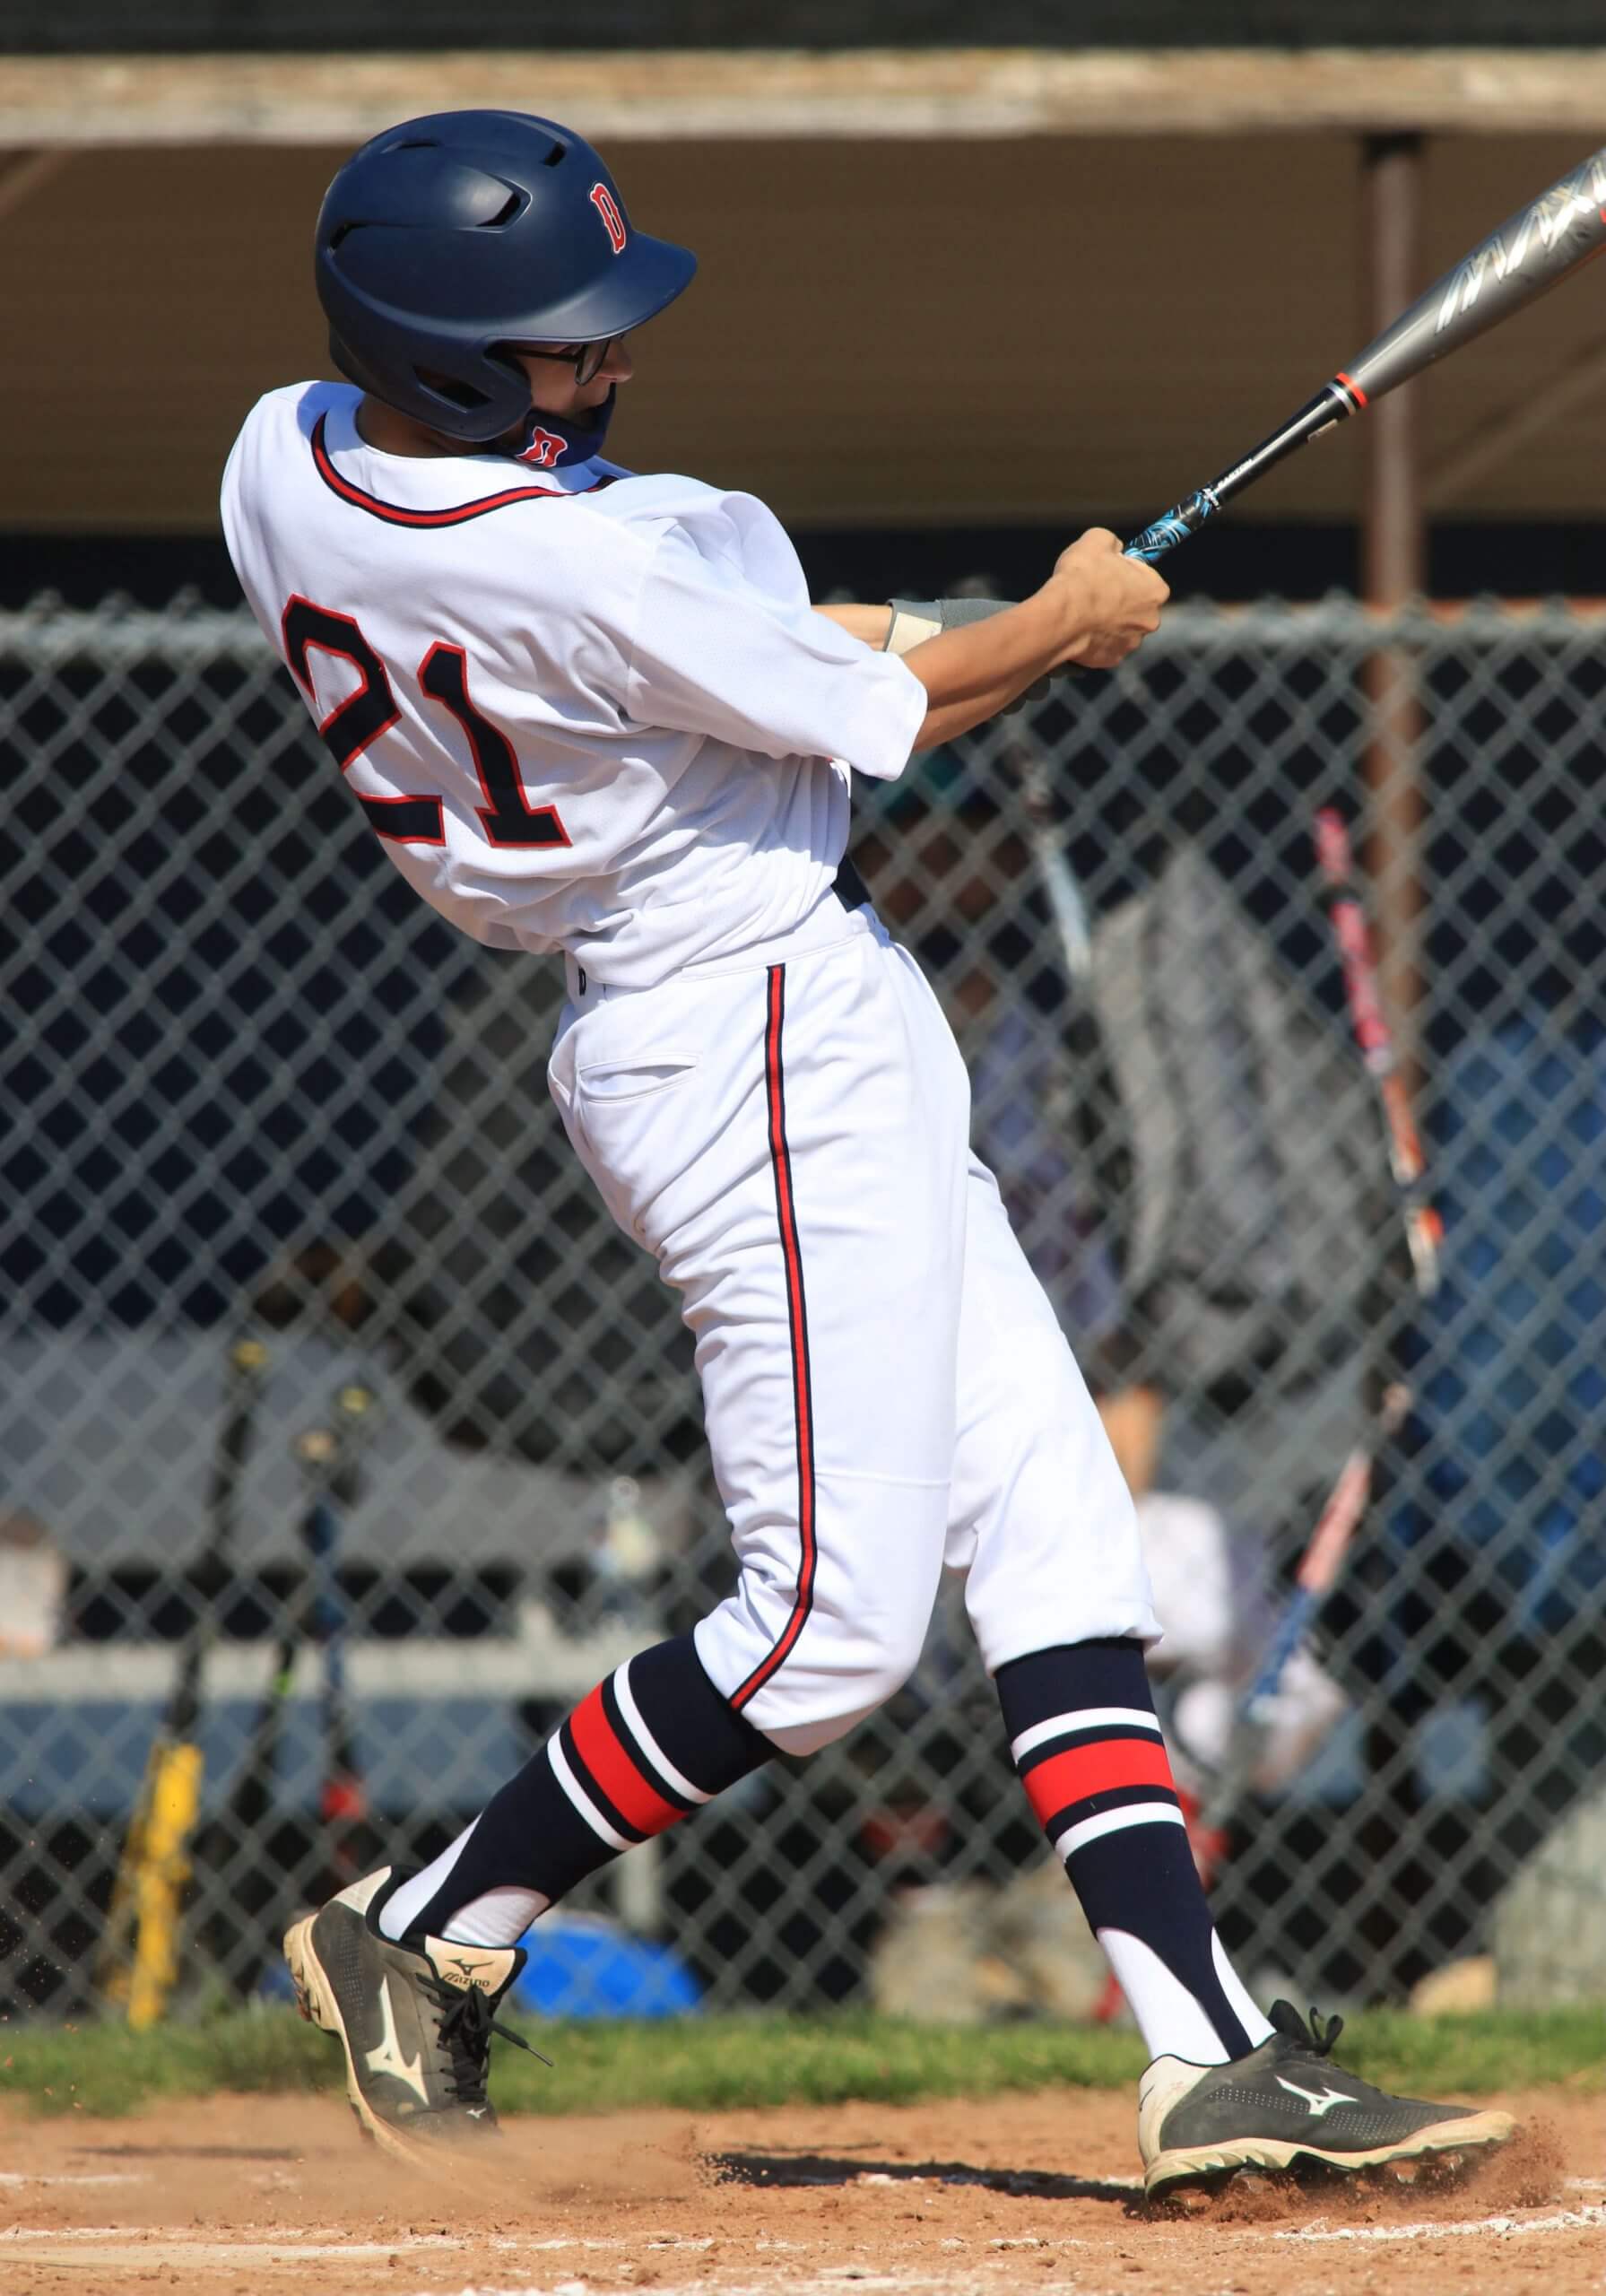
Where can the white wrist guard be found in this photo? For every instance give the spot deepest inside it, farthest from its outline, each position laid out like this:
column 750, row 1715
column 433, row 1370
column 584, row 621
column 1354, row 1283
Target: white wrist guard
column 913, row 620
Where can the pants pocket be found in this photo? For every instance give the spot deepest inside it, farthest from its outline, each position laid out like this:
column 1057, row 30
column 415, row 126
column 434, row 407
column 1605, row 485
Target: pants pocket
column 637, row 1078
column 630, row 1125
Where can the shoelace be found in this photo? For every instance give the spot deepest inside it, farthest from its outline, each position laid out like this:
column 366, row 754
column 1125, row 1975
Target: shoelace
column 467, row 2022
column 1317, row 2038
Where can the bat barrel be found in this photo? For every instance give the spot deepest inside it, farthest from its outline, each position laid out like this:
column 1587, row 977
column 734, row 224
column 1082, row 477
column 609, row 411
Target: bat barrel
column 1532, row 252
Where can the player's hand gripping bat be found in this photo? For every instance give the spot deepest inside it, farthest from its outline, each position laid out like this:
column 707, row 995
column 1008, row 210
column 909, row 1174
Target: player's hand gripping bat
column 138, row 1963
column 1531, row 253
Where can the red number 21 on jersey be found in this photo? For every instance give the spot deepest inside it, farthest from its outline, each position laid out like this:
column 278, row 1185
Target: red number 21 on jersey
column 369, row 709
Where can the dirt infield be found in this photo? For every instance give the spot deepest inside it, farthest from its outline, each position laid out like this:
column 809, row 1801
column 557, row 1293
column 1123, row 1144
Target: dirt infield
column 252, row 2196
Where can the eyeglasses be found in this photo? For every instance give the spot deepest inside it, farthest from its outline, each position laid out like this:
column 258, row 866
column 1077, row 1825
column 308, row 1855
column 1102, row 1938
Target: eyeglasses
column 586, row 359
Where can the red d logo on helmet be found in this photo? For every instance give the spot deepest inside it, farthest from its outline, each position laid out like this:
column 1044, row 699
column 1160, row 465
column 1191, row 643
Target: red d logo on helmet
column 607, row 207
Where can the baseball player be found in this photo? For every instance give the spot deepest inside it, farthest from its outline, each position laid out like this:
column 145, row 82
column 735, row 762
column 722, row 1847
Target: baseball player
column 593, row 715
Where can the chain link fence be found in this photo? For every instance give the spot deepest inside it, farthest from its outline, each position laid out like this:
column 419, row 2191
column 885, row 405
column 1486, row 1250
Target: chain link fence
column 255, row 1092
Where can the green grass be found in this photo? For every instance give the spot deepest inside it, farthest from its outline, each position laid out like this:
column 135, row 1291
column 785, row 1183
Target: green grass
column 1497, row 2049
column 703, row 2064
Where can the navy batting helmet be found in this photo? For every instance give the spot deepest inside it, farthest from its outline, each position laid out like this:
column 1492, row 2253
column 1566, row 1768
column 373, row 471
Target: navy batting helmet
column 448, row 237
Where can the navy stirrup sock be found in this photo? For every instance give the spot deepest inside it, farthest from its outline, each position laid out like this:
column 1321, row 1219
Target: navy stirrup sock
column 1088, row 1747
column 647, row 1745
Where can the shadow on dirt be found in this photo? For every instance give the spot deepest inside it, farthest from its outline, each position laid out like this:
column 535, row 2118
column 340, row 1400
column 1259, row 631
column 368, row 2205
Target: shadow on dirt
column 779, row 2167
column 188, row 2151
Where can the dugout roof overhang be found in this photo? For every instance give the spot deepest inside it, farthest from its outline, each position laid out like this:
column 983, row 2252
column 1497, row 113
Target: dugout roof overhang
column 939, row 287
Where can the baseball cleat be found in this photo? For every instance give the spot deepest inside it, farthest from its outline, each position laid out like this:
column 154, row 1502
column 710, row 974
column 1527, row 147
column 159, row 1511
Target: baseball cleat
column 1287, row 2105
column 414, row 2019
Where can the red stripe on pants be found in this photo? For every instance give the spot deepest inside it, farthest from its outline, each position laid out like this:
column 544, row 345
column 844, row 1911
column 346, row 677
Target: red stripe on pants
column 615, row 1768
column 803, row 1401
column 1102, row 1768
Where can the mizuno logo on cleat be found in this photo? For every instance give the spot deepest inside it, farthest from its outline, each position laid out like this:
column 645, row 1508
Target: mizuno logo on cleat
column 1319, row 2101
column 388, row 2059
column 470, row 1974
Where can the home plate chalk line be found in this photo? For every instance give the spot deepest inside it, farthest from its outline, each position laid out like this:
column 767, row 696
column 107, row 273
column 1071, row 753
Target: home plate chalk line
column 899, row 2284
column 1565, row 2220
column 849, row 2278
column 178, row 2247
column 174, row 2247
column 39, row 2177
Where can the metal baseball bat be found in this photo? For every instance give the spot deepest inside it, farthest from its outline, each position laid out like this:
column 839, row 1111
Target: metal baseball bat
column 242, row 1850
column 342, row 1801
column 1532, row 252
column 1098, row 1109
column 1064, row 894
column 245, row 1846
column 138, row 1961
column 1424, row 1229
column 1313, row 1581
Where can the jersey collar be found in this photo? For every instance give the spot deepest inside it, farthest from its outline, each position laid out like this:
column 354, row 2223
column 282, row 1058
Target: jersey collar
column 426, row 490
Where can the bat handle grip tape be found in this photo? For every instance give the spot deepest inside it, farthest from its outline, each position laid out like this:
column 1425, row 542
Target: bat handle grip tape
column 1333, row 403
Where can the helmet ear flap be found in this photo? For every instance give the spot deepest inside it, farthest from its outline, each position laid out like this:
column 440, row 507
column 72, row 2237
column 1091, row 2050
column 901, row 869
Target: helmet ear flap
column 349, row 363
column 432, row 393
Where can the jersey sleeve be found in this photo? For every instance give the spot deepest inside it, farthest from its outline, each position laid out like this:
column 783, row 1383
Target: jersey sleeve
column 710, row 654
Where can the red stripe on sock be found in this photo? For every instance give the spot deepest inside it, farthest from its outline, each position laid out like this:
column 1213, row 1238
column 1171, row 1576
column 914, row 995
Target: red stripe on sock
column 615, row 1770
column 1102, row 1768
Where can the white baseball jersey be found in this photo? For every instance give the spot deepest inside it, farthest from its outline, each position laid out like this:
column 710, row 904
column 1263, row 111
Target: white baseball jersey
column 585, row 710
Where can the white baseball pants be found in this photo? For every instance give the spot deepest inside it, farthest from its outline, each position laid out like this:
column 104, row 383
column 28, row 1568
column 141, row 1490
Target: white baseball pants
column 885, row 1386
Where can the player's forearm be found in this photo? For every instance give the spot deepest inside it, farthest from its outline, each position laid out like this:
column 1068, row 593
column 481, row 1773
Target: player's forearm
column 1094, row 609
column 970, row 692
column 870, row 624
column 973, row 672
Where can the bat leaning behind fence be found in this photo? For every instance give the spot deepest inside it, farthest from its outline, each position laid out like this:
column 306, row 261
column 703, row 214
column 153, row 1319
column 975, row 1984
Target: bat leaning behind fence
column 1347, row 1502
column 1105, row 1185
column 1313, row 1581
column 255, row 1836
column 251, row 1844
column 1424, row 1229
column 138, row 1961
column 343, row 1797
column 1531, row 253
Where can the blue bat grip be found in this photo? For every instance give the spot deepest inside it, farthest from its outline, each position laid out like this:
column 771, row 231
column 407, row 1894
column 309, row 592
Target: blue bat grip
column 1176, row 525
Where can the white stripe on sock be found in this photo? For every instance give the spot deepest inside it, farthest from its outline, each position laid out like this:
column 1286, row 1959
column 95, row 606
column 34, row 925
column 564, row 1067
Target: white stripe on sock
column 1258, row 2028
column 1090, row 1718
column 582, row 1800
column 401, row 1909
column 647, row 1743
column 1171, row 2020
column 1135, row 1813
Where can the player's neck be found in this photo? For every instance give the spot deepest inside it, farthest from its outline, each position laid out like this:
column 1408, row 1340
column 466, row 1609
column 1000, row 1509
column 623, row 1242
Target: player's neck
column 394, row 433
